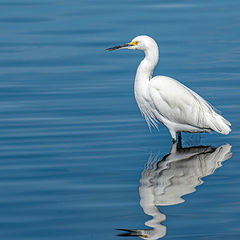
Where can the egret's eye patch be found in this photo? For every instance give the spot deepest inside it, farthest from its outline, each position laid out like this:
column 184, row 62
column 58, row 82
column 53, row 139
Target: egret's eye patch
column 134, row 43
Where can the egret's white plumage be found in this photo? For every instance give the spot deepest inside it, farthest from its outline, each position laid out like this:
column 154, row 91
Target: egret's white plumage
column 164, row 99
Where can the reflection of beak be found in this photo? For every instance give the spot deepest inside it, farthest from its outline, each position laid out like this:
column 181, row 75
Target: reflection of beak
column 119, row 47
column 131, row 233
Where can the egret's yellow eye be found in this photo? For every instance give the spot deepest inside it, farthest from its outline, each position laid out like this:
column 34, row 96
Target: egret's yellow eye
column 134, row 43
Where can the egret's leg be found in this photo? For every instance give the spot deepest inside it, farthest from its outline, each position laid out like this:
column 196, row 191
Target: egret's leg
column 179, row 136
column 179, row 145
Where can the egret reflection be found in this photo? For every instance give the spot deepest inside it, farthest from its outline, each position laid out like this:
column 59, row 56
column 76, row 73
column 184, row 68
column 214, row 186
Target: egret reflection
column 164, row 182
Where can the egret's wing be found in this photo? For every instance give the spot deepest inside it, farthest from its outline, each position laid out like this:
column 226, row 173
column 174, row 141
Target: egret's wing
column 179, row 104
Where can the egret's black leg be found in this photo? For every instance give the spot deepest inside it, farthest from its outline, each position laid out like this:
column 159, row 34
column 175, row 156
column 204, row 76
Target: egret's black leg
column 179, row 145
column 179, row 136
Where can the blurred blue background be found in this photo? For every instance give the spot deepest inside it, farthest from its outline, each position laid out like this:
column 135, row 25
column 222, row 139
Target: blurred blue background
column 73, row 144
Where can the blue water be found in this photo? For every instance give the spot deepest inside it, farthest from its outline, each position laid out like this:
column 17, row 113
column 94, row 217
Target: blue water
column 77, row 160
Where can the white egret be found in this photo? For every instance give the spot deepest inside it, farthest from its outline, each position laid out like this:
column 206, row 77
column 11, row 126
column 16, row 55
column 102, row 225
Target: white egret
column 164, row 99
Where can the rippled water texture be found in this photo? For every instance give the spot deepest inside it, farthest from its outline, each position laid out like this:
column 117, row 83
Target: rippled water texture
column 77, row 160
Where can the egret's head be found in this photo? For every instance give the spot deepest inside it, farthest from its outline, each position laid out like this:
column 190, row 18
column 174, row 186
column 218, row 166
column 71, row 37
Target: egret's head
column 139, row 42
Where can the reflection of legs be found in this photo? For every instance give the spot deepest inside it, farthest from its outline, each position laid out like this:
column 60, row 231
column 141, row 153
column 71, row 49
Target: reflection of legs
column 179, row 145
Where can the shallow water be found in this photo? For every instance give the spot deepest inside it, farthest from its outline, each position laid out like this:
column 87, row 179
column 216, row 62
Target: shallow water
column 77, row 159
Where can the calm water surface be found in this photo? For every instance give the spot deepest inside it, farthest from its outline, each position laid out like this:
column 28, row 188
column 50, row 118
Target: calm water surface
column 77, row 160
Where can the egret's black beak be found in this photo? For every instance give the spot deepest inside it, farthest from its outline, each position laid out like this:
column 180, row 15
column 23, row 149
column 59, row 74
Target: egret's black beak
column 118, row 47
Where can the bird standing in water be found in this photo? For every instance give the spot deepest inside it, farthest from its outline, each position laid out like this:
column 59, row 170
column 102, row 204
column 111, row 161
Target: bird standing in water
column 164, row 99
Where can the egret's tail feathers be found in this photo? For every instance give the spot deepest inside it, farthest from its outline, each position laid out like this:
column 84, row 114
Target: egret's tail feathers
column 226, row 121
column 220, row 124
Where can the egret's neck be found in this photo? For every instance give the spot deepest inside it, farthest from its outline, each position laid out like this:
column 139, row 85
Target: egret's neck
column 146, row 67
